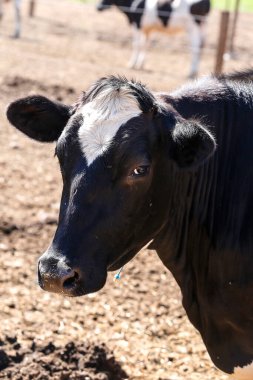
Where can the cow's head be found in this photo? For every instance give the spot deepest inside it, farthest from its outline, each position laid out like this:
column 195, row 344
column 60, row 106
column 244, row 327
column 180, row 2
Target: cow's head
column 114, row 148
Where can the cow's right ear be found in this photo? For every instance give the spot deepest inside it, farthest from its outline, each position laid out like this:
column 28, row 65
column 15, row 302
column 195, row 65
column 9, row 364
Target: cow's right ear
column 192, row 144
column 38, row 117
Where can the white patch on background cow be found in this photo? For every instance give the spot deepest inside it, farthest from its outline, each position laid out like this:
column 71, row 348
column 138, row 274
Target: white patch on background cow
column 102, row 118
column 243, row 373
column 150, row 15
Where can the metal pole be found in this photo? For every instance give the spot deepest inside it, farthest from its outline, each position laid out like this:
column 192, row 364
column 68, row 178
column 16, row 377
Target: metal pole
column 222, row 41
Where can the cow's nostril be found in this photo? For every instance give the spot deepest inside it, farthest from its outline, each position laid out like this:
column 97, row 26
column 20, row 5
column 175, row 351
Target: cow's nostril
column 71, row 280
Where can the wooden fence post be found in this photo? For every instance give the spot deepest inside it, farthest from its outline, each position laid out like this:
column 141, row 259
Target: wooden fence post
column 31, row 8
column 233, row 28
column 222, row 42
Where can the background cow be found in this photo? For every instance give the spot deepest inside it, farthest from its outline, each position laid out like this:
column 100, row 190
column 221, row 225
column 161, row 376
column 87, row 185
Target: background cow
column 140, row 168
column 17, row 6
column 168, row 16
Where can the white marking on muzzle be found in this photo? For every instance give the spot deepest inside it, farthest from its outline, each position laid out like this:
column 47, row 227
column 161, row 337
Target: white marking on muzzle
column 102, row 118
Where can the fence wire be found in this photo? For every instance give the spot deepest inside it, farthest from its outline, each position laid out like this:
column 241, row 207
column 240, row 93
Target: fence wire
column 210, row 48
column 124, row 9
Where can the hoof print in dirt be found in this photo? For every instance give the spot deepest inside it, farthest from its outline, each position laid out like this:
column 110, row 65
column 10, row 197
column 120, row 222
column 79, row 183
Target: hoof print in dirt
column 49, row 362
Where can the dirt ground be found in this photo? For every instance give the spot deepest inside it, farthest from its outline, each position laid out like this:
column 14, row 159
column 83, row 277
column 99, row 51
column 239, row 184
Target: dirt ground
column 135, row 328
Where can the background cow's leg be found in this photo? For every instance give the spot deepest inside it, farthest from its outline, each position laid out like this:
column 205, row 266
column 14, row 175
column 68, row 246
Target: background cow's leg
column 197, row 43
column 135, row 48
column 140, row 41
column 17, row 5
column 143, row 41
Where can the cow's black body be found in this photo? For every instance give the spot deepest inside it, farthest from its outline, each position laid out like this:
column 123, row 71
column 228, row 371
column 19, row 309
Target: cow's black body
column 200, row 9
column 212, row 239
column 135, row 9
column 132, row 9
column 193, row 203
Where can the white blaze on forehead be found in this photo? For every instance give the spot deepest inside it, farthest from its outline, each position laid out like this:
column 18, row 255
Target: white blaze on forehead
column 102, row 118
column 243, row 373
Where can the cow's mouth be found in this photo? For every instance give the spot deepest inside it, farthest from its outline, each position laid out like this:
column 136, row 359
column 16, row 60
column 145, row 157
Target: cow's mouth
column 122, row 260
column 127, row 256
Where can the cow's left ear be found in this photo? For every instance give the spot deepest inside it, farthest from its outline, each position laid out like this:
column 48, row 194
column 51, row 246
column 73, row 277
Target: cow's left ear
column 38, row 117
column 192, row 144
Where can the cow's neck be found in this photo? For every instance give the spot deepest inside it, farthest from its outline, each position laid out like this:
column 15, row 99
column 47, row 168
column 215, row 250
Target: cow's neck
column 176, row 242
column 193, row 213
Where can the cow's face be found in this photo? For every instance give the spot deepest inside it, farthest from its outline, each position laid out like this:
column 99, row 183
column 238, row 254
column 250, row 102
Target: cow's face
column 113, row 150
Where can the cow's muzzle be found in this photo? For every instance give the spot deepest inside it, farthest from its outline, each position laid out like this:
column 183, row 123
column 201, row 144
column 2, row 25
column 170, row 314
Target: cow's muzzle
column 57, row 277
column 58, row 274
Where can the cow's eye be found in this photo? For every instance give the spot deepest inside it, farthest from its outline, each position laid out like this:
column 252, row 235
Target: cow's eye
column 140, row 171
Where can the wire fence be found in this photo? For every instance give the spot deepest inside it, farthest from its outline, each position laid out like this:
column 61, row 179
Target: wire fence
column 210, row 48
column 157, row 12
column 125, row 9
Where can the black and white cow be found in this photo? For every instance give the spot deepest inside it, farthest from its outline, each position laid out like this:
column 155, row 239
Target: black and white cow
column 175, row 170
column 167, row 16
column 17, row 7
